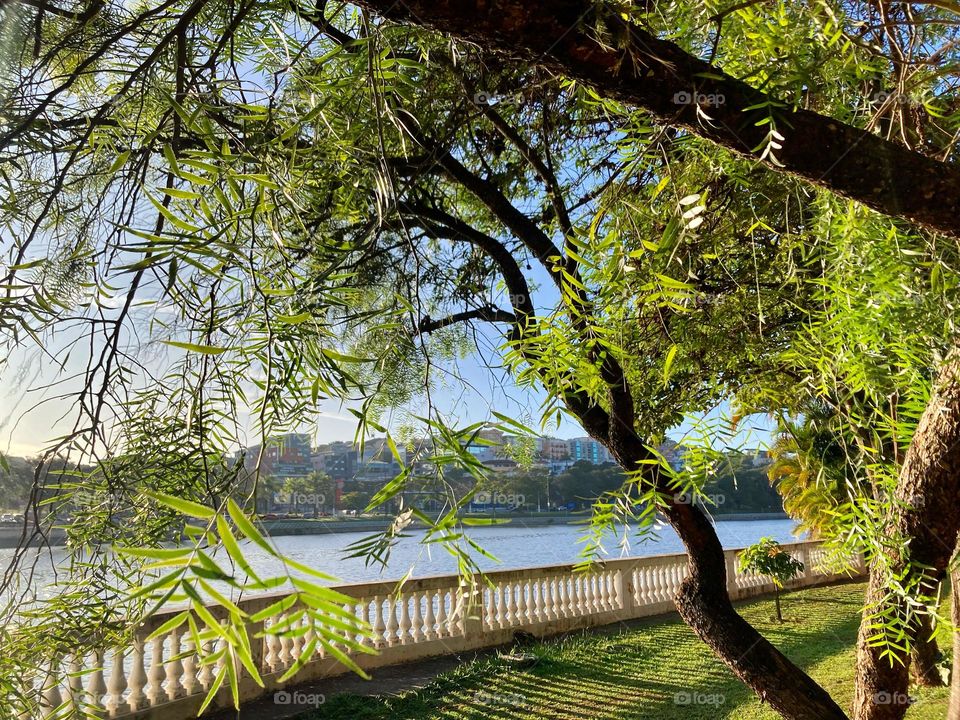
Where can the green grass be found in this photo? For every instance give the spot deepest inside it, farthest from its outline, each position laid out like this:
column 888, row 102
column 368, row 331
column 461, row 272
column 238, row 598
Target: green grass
column 638, row 673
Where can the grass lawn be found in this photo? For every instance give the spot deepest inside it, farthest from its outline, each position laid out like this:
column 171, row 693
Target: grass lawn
column 656, row 670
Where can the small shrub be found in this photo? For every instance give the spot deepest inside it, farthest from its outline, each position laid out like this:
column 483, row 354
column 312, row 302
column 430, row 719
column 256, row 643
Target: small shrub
column 766, row 557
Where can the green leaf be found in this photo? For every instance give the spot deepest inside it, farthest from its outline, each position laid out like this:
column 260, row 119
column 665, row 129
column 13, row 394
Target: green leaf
column 244, row 525
column 119, row 162
column 186, row 507
column 193, row 347
column 174, row 622
column 668, row 363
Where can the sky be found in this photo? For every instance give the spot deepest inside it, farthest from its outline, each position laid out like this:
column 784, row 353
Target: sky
column 32, row 412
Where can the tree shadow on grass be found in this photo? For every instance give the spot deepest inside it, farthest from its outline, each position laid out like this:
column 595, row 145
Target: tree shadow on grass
column 651, row 669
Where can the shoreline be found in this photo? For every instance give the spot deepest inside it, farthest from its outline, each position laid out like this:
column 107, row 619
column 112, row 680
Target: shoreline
column 10, row 535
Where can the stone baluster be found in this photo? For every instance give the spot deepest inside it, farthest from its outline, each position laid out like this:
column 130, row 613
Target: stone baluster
column 573, row 600
column 536, row 600
column 360, row 610
column 138, row 677
column 489, row 608
column 417, row 632
column 550, row 588
column 190, row 681
column 430, row 618
column 296, row 639
column 174, row 667
column 635, row 588
column 272, row 658
column 116, row 705
column 677, row 578
column 560, row 597
column 501, row 606
column 51, row 698
column 404, row 619
column 644, row 585
column 443, row 621
column 96, row 687
column 522, row 615
column 156, row 675
column 75, row 681
column 379, row 628
column 587, row 606
column 545, row 586
column 206, row 668
column 393, row 625
column 507, row 595
column 286, row 645
column 363, row 615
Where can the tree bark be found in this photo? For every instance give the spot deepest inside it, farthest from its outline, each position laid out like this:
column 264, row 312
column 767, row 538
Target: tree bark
column 926, row 513
column 881, row 688
column 649, row 72
column 705, row 605
column 924, row 656
column 953, row 710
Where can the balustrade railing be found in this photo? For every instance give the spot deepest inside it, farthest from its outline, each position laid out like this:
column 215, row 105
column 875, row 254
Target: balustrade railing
column 163, row 679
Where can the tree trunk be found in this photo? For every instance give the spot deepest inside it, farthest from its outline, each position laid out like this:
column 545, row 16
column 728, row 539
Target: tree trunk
column 776, row 599
column 702, row 598
column 953, row 711
column 881, row 689
column 926, row 514
column 705, row 605
column 924, row 656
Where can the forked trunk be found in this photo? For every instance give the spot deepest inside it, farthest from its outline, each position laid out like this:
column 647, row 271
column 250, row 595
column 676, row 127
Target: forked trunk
column 881, row 689
column 926, row 515
column 953, row 711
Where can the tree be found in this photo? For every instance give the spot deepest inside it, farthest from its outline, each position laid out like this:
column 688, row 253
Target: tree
column 316, row 237
column 767, row 558
column 355, row 501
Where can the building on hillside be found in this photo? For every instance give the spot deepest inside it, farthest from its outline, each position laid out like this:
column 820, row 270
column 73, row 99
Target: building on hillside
column 283, row 456
column 487, row 446
column 337, row 459
column 672, row 453
column 553, row 449
column 589, row 450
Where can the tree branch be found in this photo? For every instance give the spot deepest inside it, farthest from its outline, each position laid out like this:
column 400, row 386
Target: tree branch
column 488, row 313
column 846, row 160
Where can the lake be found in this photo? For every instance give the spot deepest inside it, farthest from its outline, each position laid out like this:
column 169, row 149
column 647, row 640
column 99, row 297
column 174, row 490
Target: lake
column 514, row 546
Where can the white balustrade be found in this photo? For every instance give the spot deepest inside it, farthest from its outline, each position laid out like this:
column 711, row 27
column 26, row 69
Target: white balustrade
column 428, row 616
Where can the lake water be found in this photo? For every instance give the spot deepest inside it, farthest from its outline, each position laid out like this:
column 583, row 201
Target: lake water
column 514, row 546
